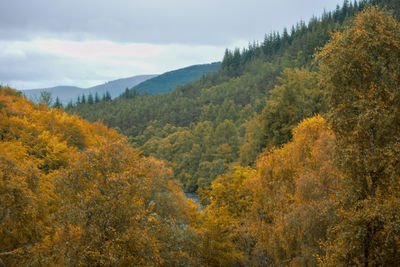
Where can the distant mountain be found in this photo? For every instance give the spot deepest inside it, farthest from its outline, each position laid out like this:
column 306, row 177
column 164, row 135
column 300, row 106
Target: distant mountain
column 64, row 93
column 164, row 83
column 152, row 84
column 116, row 87
column 68, row 93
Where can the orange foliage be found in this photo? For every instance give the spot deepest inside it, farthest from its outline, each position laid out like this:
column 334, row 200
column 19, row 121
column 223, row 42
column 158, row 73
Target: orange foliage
column 75, row 193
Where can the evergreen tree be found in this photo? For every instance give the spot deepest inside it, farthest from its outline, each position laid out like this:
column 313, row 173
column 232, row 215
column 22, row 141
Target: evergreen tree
column 90, row 99
column 134, row 93
column 107, row 96
column 126, row 94
column 96, row 98
column 70, row 105
column 57, row 103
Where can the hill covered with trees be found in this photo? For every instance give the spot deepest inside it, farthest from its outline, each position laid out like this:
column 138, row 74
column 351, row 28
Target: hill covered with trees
column 250, row 105
column 165, row 82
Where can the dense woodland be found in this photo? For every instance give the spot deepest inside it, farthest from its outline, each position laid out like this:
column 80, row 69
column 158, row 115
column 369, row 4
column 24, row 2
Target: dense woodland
column 251, row 105
column 293, row 147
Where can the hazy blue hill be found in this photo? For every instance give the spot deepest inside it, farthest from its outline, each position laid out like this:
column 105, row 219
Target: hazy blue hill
column 68, row 93
column 164, row 83
column 116, row 87
column 64, row 93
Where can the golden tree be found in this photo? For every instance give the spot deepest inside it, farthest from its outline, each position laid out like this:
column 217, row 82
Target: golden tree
column 361, row 68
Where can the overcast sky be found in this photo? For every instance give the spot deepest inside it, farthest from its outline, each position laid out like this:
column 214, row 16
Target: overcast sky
column 44, row 43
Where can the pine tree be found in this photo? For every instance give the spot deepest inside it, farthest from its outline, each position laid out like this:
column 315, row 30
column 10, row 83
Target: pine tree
column 90, row 99
column 134, row 93
column 57, row 103
column 107, row 96
column 70, row 104
column 96, row 98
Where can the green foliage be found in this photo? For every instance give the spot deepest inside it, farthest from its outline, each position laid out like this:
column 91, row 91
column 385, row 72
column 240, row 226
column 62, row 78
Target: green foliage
column 296, row 47
column 57, row 103
column 299, row 95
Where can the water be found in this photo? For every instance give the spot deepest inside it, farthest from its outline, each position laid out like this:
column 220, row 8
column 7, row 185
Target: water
column 194, row 196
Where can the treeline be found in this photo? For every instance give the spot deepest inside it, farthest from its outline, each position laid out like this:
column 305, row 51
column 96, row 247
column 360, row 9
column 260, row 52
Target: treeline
column 160, row 84
column 88, row 99
column 299, row 44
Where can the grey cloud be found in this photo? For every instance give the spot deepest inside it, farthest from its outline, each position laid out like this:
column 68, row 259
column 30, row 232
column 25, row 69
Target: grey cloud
column 27, row 65
column 154, row 21
column 34, row 66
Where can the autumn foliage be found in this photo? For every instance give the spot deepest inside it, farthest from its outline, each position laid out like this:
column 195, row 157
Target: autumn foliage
column 279, row 212
column 361, row 70
column 75, row 193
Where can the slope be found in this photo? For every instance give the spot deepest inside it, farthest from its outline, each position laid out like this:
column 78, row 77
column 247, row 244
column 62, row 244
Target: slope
column 165, row 82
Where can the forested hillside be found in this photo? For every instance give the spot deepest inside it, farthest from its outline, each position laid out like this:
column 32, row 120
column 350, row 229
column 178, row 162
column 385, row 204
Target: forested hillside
column 228, row 118
column 296, row 159
column 165, row 82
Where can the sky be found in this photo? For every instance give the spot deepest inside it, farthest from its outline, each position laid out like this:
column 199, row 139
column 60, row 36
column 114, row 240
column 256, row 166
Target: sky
column 44, row 43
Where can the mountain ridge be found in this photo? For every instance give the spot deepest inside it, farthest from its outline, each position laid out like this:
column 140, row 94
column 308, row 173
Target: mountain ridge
column 169, row 80
column 67, row 93
column 143, row 84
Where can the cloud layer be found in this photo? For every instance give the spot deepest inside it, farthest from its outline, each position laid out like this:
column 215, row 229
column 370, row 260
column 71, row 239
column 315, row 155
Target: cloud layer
column 45, row 63
column 50, row 42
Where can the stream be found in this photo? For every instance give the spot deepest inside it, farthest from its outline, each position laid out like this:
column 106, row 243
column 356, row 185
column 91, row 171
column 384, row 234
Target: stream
column 194, row 196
